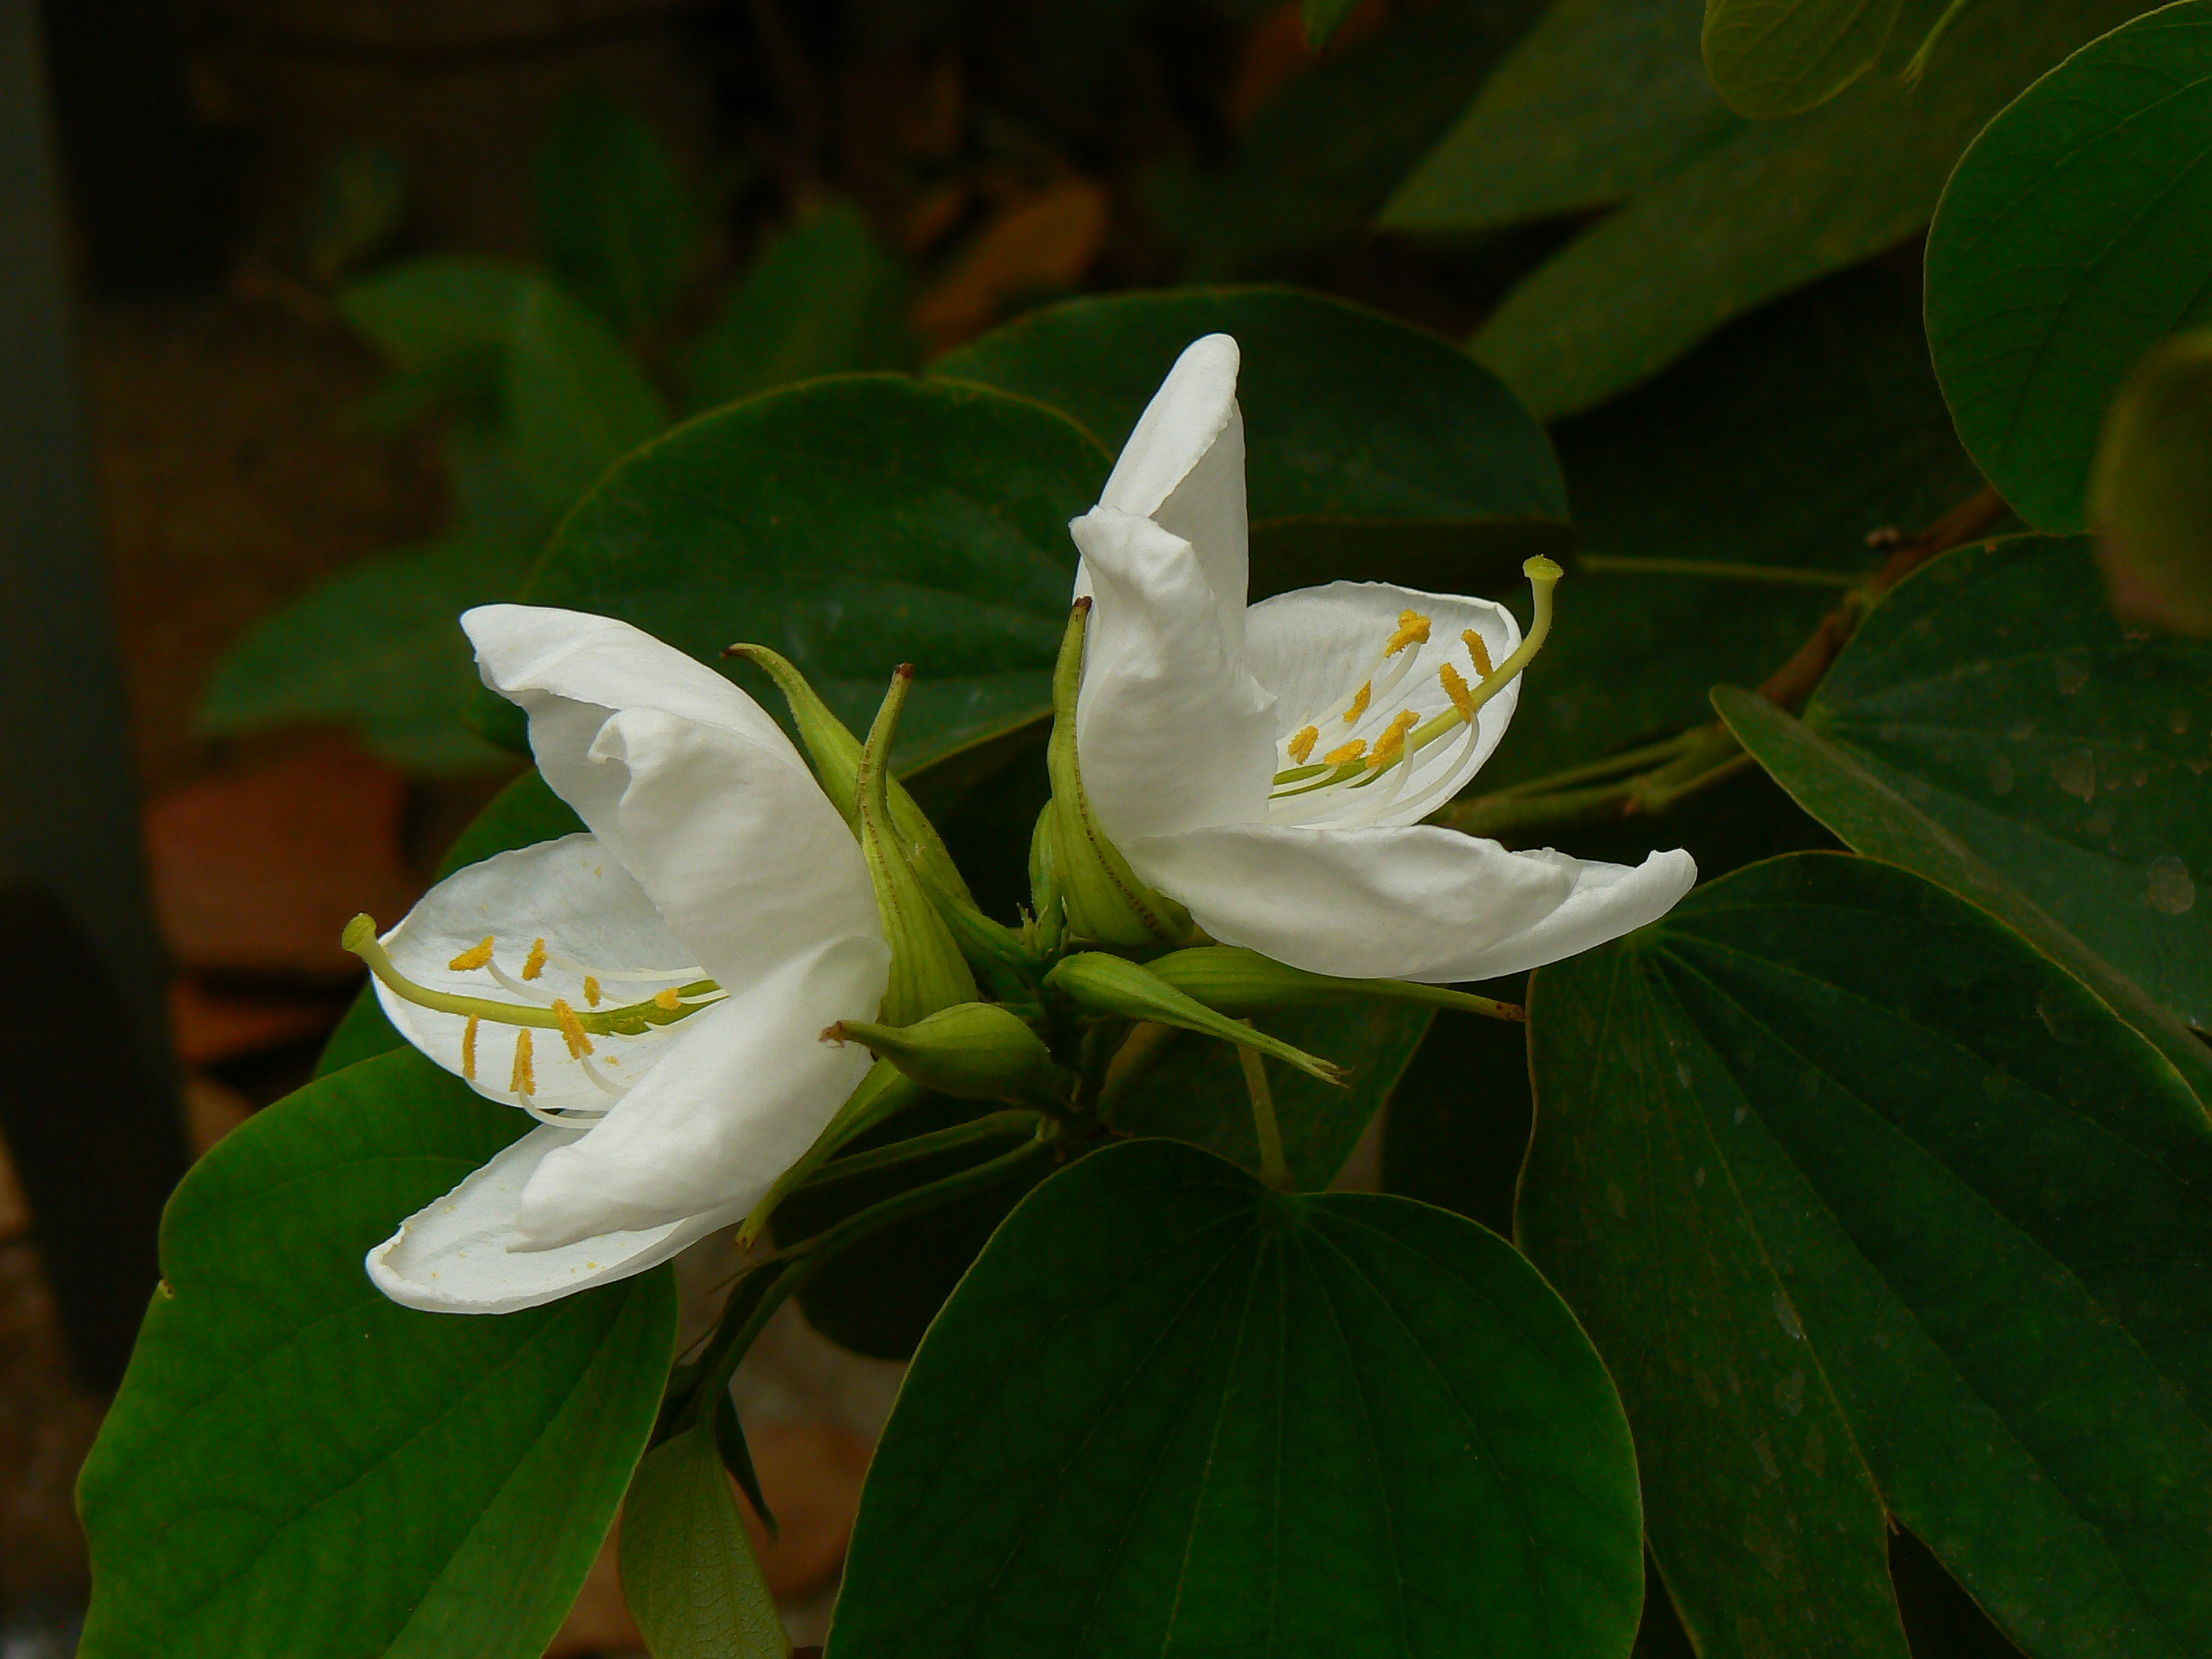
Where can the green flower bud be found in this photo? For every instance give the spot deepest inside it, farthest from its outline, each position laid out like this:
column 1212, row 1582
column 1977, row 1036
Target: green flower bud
column 928, row 971
column 1103, row 984
column 975, row 1051
column 1231, row 980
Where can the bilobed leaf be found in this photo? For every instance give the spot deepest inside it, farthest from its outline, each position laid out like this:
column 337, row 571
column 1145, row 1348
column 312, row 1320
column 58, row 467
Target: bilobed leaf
column 576, row 399
column 1169, row 1411
column 296, row 1467
column 1600, row 100
column 378, row 648
column 1996, row 696
column 852, row 524
column 1769, row 208
column 2150, row 493
column 1347, row 413
column 2076, row 235
column 825, row 298
column 1870, row 1205
column 688, row 1572
column 1776, row 57
column 613, row 214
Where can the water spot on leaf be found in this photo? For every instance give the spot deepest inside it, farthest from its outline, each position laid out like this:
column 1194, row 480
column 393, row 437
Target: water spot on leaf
column 1786, row 1316
column 1699, row 1179
column 2076, row 772
column 2021, row 731
column 2177, row 719
column 1741, row 1112
column 1764, row 1453
column 2071, row 665
column 1790, row 1394
column 2001, row 775
column 2169, row 887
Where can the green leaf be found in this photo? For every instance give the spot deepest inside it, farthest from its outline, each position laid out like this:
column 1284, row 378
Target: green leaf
column 296, row 1467
column 1323, row 18
column 378, row 648
column 2075, row 236
column 613, row 216
column 1170, row 1412
column 1998, row 699
column 576, row 399
column 851, row 524
column 1870, row 1206
column 1765, row 208
column 825, row 298
column 2150, row 493
column 688, row 1572
column 1784, row 441
column 1347, row 412
column 1599, row 100
column 1776, row 57
column 443, row 305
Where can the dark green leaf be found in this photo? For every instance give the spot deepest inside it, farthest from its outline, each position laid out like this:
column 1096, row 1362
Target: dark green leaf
column 297, row 1468
column 1346, row 413
column 1323, row 18
column 688, row 1571
column 852, row 524
column 1775, row 58
column 823, row 299
column 613, row 214
column 1763, row 209
column 437, row 307
column 378, row 648
column 1442, row 555
column 1998, row 698
column 1458, row 1121
column 1870, row 1205
column 2076, row 235
column 576, row 399
column 1171, row 1413
column 1599, row 100
column 2150, row 494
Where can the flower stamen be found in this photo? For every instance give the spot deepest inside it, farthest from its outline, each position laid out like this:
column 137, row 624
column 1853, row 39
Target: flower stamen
column 1392, row 739
column 523, row 1080
column 468, row 1046
column 572, row 1030
column 534, row 963
column 1302, row 744
column 474, row 957
column 590, row 990
column 1350, row 752
column 1478, row 652
column 1359, row 699
column 1412, row 629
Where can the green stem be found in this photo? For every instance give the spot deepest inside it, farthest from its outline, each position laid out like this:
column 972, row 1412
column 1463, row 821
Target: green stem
column 1607, row 766
column 993, row 1125
column 1726, row 570
column 1274, row 1167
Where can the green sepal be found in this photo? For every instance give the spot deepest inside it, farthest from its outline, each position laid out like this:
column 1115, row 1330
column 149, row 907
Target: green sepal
column 973, row 1051
column 1101, row 984
column 1231, row 980
column 928, row 971
column 1070, row 857
column 883, row 1095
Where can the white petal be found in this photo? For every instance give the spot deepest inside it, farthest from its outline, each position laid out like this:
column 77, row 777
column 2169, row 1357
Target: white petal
column 1183, row 467
column 573, row 894
column 1171, row 730
column 463, row 1254
column 1313, row 646
column 687, row 781
column 743, row 1090
column 1414, row 901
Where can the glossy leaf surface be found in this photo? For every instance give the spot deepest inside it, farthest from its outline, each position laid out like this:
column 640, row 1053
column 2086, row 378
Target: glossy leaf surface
column 1870, row 1203
column 296, row 1467
column 852, row 524
column 1171, row 1413
column 2076, row 235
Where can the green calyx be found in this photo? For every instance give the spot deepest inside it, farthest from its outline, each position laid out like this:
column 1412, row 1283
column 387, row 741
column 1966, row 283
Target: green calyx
column 928, row 971
column 1231, row 980
column 973, row 1051
column 1079, row 878
column 1099, row 984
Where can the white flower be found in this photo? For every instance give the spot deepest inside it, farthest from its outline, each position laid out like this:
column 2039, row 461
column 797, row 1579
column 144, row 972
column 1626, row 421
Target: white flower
column 677, row 963
column 1265, row 766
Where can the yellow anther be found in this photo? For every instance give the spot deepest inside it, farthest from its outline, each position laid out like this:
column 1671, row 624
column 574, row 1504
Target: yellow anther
column 1393, row 738
column 1479, row 651
column 469, row 1048
column 1351, row 751
column 1412, row 629
column 667, row 999
column 475, row 957
column 1359, row 702
column 524, row 1082
column 572, row 1030
column 591, row 991
column 1302, row 744
column 1456, row 688
column 534, row 964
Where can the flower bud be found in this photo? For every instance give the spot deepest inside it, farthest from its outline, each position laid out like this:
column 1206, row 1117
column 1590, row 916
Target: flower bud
column 975, row 1051
column 1071, row 863
column 1101, row 984
column 928, row 971
column 1231, row 980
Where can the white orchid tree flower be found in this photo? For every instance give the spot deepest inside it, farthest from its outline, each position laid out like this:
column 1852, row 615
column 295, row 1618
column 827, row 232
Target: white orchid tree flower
column 1265, row 766
column 650, row 992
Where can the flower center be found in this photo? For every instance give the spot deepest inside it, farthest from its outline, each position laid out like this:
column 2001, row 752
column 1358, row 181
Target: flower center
column 1406, row 767
column 681, row 992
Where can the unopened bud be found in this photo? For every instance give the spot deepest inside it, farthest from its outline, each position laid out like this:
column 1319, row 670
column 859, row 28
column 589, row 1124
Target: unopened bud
column 973, row 1050
column 1231, row 980
column 1103, row 984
